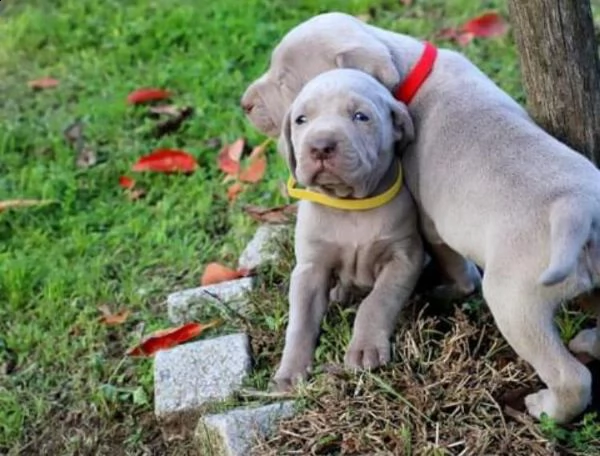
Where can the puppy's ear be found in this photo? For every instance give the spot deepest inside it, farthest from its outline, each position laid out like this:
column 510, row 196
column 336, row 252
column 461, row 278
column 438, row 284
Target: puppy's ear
column 285, row 146
column 374, row 59
column 404, row 129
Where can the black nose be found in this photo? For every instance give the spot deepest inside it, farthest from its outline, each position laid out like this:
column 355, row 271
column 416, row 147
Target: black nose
column 322, row 149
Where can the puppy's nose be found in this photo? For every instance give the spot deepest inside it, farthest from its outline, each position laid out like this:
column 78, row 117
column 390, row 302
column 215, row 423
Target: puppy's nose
column 246, row 106
column 322, row 149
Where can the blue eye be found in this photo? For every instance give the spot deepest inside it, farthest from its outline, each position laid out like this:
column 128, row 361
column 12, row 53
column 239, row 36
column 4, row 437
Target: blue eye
column 360, row 117
column 300, row 120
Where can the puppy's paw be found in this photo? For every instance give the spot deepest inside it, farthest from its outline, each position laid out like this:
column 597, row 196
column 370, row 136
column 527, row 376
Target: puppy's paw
column 286, row 378
column 367, row 353
column 587, row 341
column 339, row 293
column 545, row 401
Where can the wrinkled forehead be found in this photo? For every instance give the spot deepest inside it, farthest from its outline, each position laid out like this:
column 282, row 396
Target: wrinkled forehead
column 319, row 102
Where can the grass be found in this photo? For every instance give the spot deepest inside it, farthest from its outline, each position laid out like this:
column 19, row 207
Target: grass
column 65, row 385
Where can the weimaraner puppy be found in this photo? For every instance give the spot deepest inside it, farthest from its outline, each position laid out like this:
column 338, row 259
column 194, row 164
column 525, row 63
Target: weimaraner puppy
column 339, row 138
column 490, row 186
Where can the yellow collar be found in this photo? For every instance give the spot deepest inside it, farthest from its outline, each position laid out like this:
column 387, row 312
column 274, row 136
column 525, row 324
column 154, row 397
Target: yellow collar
column 346, row 204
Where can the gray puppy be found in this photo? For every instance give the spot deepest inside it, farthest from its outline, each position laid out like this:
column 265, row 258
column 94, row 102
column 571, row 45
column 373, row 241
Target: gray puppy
column 490, row 186
column 339, row 138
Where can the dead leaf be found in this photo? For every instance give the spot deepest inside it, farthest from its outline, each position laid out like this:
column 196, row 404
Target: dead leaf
column 16, row 203
column 168, row 110
column 275, row 215
column 230, row 155
column 167, row 338
column 86, row 158
column 147, row 95
column 406, row 2
column 136, row 194
column 234, row 190
column 43, row 83
column 255, row 171
column 166, row 161
column 283, row 190
column 112, row 319
column 174, row 123
column 217, row 273
column 487, row 25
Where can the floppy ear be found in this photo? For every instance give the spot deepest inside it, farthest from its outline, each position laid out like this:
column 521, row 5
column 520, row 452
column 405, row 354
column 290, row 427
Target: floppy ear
column 374, row 59
column 284, row 145
column 404, row 129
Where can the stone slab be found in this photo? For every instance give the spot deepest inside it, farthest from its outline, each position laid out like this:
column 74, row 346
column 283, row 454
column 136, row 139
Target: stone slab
column 234, row 433
column 191, row 376
column 259, row 250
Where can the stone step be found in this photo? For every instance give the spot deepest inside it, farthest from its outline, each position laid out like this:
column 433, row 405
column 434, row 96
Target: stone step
column 190, row 376
column 233, row 433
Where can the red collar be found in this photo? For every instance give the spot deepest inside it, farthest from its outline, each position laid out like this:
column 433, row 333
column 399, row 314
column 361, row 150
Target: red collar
column 415, row 79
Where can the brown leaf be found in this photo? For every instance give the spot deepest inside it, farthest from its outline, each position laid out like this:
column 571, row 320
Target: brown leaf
column 217, row 273
column 174, row 123
column 136, row 194
column 168, row 110
column 167, row 338
column 86, row 158
column 229, row 157
column 234, row 190
column 43, row 83
column 406, row 2
column 275, row 215
column 257, row 167
column 16, row 203
column 112, row 319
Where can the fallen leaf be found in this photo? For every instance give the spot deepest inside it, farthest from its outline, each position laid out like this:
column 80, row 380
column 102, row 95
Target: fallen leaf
column 86, row 158
column 234, row 190
column 230, row 155
column 255, row 171
column 173, row 124
column 487, row 25
column 43, row 83
column 126, row 182
column 147, row 95
column 276, row 215
column 464, row 38
column 166, row 161
column 111, row 319
column 217, row 273
column 406, row 2
column 283, row 190
column 168, row 110
column 136, row 194
column 167, row 338
column 16, row 203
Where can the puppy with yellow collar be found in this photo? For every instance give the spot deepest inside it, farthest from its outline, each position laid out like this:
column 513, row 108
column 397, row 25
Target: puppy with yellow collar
column 357, row 222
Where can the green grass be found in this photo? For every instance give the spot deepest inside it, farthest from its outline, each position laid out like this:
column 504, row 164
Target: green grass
column 65, row 385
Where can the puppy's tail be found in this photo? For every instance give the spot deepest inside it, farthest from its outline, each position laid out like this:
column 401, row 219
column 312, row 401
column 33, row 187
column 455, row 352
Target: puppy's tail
column 570, row 226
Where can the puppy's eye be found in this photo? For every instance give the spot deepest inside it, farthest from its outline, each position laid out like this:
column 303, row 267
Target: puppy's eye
column 360, row 117
column 300, row 120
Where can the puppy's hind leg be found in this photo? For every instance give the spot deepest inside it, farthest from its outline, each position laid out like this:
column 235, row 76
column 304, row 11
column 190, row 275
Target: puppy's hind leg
column 588, row 340
column 526, row 321
column 464, row 276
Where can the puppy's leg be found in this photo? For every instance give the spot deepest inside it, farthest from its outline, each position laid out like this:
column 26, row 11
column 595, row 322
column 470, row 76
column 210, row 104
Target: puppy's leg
column 526, row 321
column 588, row 340
column 463, row 274
column 379, row 311
column 308, row 302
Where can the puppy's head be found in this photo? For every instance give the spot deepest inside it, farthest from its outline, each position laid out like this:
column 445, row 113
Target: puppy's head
column 340, row 134
column 325, row 42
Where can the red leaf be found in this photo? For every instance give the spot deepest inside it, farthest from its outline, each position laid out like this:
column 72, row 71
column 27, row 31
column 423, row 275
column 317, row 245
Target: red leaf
column 166, row 161
column 234, row 190
column 229, row 157
column 487, row 25
column 43, row 83
column 258, row 165
column 147, row 95
column 126, row 182
column 167, row 338
column 217, row 273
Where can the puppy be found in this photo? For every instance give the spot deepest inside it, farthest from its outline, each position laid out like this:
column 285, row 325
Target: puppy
column 490, row 185
column 339, row 138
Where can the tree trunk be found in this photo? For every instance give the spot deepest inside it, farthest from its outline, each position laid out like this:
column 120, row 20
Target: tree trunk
column 560, row 69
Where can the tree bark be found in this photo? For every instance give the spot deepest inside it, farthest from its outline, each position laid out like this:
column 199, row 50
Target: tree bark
column 560, row 69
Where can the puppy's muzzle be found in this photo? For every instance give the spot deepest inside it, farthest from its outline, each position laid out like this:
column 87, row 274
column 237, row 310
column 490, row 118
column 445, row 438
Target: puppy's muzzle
column 323, row 148
column 247, row 106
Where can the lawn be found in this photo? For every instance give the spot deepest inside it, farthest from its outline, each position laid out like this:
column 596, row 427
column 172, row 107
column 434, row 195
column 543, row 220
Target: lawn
column 66, row 386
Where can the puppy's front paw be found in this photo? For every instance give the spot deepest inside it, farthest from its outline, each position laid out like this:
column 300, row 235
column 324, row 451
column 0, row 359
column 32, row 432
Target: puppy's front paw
column 367, row 353
column 287, row 377
column 542, row 402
